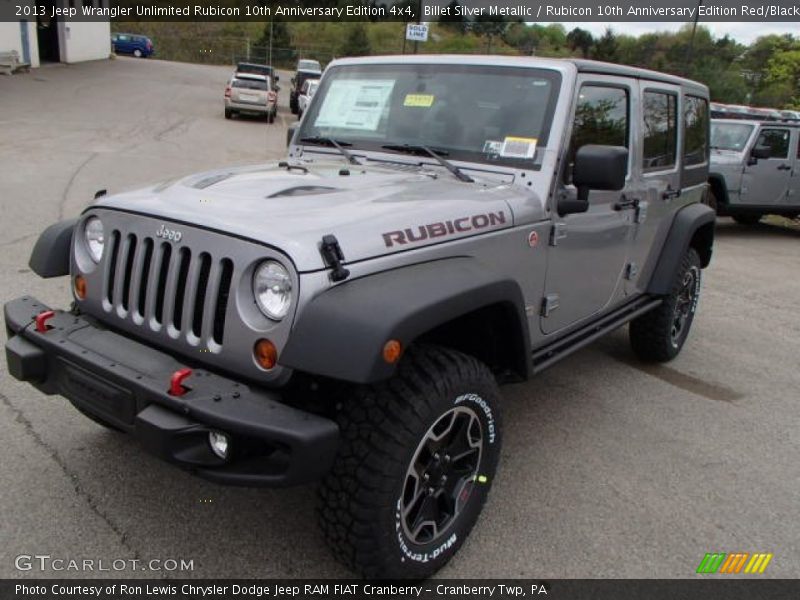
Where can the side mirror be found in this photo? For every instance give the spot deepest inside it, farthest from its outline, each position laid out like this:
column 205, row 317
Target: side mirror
column 761, row 152
column 290, row 133
column 596, row 168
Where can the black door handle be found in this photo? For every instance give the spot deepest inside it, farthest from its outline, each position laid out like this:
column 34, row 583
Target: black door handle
column 671, row 194
column 626, row 203
column 784, row 168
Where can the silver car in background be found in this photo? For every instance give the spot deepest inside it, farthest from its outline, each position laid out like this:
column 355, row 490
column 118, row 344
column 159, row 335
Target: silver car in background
column 306, row 93
column 251, row 94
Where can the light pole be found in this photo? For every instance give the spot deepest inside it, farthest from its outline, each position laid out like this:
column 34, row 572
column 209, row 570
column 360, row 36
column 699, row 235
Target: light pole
column 271, row 22
column 690, row 50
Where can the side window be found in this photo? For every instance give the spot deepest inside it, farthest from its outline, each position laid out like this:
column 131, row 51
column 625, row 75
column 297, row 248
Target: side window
column 601, row 117
column 660, row 130
column 777, row 139
column 695, row 115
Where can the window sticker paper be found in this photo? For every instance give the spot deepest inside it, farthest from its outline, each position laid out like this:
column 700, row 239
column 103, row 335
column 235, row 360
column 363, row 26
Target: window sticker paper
column 518, row 147
column 355, row 104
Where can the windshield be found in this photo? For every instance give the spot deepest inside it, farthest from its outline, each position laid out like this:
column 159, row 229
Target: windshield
column 251, row 84
column 308, row 65
column 730, row 136
column 468, row 112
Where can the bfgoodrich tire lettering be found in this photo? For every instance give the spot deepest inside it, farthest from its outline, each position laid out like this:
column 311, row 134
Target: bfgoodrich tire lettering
column 437, row 395
column 659, row 335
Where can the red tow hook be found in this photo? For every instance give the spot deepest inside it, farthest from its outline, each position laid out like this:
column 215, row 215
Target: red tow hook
column 176, row 387
column 41, row 320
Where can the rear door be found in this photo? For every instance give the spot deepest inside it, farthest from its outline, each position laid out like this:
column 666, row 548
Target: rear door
column 658, row 159
column 588, row 251
column 766, row 183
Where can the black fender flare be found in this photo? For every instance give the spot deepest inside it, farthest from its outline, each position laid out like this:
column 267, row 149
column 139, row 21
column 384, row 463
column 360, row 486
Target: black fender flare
column 719, row 179
column 341, row 332
column 693, row 225
column 50, row 256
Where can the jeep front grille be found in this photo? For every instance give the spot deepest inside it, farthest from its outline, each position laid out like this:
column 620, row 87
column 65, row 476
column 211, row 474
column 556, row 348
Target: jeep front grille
column 165, row 287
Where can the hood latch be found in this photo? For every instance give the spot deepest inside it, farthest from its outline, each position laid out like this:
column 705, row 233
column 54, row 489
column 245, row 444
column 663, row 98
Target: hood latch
column 333, row 256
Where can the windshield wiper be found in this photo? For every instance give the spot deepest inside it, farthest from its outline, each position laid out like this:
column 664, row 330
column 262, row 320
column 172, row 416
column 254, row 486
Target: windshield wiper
column 339, row 145
column 434, row 153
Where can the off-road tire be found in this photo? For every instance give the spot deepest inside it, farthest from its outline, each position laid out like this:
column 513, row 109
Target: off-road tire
column 293, row 106
column 747, row 219
column 228, row 113
column 383, row 427
column 712, row 201
column 653, row 335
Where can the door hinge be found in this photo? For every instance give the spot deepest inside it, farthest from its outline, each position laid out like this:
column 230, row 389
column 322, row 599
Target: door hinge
column 558, row 232
column 631, row 271
column 549, row 304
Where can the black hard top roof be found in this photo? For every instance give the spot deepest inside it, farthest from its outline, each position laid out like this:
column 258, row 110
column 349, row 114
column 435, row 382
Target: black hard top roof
column 603, row 68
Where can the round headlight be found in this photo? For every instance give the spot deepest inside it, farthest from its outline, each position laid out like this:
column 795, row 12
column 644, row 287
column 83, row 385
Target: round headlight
column 95, row 237
column 272, row 288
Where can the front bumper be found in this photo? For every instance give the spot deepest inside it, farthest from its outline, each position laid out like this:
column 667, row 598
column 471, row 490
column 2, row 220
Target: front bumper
column 125, row 383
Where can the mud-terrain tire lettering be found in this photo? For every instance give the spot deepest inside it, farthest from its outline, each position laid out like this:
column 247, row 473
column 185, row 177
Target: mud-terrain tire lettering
column 381, row 427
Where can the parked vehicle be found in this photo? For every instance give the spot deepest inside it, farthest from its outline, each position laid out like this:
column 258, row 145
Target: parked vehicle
column 251, row 94
column 140, row 46
column 257, row 69
column 306, row 69
column 306, row 64
column 441, row 225
column 755, row 169
column 306, row 93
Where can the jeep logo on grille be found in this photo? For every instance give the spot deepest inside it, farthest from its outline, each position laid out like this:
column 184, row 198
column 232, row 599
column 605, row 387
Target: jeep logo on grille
column 172, row 235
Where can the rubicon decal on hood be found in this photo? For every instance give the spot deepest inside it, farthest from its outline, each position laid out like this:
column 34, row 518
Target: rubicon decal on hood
column 420, row 233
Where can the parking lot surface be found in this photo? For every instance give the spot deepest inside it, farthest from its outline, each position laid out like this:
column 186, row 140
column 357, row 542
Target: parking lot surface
column 610, row 468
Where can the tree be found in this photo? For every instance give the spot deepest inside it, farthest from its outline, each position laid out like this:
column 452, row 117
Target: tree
column 580, row 39
column 279, row 32
column 356, row 43
column 489, row 27
column 453, row 20
column 606, row 48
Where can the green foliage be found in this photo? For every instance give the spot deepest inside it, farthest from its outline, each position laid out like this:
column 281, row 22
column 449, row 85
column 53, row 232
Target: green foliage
column 580, row 40
column 767, row 73
column 606, row 48
column 454, row 22
column 356, row 43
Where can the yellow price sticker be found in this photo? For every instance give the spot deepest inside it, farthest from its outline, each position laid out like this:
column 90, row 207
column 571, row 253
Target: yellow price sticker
column 420, row 100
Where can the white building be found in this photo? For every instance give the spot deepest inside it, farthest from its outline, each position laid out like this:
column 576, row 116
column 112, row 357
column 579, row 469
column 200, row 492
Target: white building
column 41, row 38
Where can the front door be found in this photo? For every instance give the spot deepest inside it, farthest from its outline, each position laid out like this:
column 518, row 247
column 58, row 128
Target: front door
column 766, row 183
column 587, row 255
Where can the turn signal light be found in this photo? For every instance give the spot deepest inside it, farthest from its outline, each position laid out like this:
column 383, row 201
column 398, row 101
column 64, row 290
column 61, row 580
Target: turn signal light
column 266, row 354
column 80, row 287
column 392, row 351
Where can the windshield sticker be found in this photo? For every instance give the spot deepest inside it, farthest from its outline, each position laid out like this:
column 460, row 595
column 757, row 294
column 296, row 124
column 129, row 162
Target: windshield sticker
column 518, row 147
column 419, row 100
column 492, row 147
column 355, row 104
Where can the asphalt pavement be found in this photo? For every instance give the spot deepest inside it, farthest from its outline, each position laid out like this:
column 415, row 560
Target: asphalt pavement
column 609, row 468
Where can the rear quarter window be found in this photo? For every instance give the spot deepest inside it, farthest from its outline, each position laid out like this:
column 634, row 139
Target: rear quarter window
column 696, row 124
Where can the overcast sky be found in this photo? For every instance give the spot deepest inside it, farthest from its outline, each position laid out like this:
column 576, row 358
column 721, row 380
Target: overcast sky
column 741, row 32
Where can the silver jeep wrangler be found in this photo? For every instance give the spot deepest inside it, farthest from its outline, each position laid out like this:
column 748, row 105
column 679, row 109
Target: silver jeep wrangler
column 442, row 224
column 755, row 169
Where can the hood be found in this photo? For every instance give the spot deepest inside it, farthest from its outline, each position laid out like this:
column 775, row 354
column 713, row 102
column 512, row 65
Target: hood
column 375, row 210
column 726, row 157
